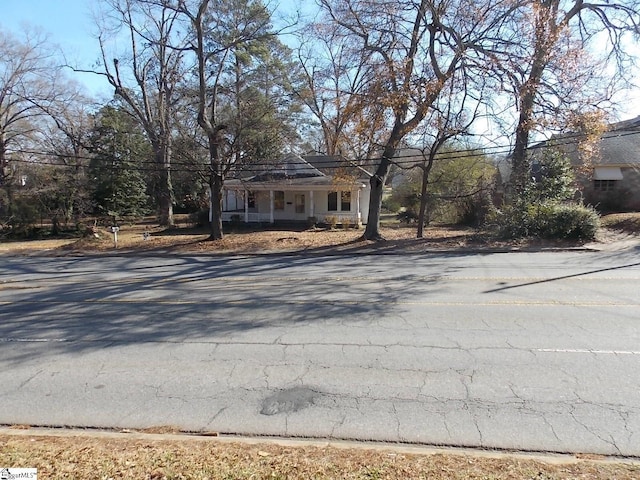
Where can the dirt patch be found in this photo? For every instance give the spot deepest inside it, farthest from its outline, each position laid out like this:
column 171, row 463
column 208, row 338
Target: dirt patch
column 88, row 457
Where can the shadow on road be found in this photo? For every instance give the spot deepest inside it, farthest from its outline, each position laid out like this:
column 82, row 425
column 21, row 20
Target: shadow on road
column 78, row 304
column 563, row 277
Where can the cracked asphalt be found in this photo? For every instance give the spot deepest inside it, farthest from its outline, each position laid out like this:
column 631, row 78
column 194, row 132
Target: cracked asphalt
column 525, row 351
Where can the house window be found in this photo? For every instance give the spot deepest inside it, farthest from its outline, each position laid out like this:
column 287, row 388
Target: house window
column 345, row 201
column 604, row 185
column 299, row 201
column 332, row 202
column 278, row 200
column 251, row 200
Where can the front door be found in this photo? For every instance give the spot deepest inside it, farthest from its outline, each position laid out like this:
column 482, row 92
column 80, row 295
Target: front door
column 299, row 203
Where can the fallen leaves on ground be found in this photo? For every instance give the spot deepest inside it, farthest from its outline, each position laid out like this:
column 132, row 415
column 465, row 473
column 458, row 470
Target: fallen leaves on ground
column 322, row 241
column 89, row 457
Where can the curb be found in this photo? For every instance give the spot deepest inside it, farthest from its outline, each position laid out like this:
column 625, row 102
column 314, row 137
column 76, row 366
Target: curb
column 397, row 448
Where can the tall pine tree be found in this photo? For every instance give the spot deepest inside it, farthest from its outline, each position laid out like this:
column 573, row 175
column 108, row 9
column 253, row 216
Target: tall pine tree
column 121, row 153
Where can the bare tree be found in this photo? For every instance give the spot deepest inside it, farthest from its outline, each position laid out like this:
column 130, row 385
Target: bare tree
column 450, row 118
column 334, row 75
column 64, row 142
column 27, row 82
column 147, row 79
column 220, row 29
column 413, row 49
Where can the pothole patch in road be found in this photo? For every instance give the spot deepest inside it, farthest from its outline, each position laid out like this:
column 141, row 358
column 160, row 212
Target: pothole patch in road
column 289, row 401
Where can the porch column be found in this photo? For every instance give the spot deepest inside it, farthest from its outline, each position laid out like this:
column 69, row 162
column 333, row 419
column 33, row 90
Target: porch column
column 246, row 206
column 312, row 210
column 358, row 216
column 271, row 207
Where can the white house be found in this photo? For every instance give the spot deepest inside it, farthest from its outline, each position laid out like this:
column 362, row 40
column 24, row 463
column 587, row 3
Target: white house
column 294, row 190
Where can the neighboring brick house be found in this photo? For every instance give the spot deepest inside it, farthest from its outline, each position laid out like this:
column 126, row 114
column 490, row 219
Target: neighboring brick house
column 610, row 180
column 614, row 184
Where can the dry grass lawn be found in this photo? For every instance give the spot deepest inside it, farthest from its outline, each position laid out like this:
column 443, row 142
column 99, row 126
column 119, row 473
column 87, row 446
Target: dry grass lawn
column 145, row 238
column 185, row 239
column 118, row 457
column 281, row 240
column 191, row 240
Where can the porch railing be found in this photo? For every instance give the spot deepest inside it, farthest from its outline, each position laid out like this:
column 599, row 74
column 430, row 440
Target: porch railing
column 342, row 218
column 240, row 217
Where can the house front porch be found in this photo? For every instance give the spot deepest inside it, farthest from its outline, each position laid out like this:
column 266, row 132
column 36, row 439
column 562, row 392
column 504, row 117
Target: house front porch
column 282, row 204
column 295, row 191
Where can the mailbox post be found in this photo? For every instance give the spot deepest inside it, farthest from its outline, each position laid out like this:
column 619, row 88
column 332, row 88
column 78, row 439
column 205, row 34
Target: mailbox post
column 115, row 231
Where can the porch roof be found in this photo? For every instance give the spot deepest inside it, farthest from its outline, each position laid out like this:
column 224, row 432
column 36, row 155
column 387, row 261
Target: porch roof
column 324, row 183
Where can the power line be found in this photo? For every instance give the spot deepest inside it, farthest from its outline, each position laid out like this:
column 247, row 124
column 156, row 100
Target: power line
column 404, row 160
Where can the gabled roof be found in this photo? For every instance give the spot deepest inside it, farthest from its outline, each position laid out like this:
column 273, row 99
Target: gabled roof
column 631, row 124
column 293, row 173
column 327, row 164
column 619, row 145
column 336, row 165
column 289, row 168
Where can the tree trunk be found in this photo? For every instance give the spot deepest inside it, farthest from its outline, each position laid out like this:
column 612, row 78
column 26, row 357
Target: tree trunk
column 216, row 182
column 5, row 210
column 372, row 230
column 3, row 160
column 165, row 187
column 377, row 182
column 519, row 162
column 423, row 201
column 546, row 35
column 165, row 203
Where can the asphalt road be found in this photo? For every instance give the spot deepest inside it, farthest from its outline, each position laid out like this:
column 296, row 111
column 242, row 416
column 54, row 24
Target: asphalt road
column 526, row 351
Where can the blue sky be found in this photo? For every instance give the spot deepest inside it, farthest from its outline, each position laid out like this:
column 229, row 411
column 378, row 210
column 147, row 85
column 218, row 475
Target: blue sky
column 70, row 25
column 67, row 21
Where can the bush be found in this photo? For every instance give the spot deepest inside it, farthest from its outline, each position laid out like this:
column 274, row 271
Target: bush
column 472, row 211
column 331, row 221
column 542, row 209
column 546, row 220
column 24, row 216
column 458, row 190
column 407, row 216
column 571, row 222
column 391, row 204
column 199, row 218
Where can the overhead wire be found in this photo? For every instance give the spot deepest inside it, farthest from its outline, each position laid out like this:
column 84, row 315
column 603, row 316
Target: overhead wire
column 407, row 157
